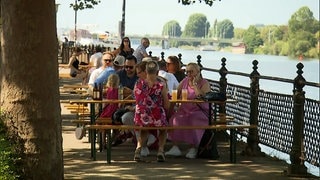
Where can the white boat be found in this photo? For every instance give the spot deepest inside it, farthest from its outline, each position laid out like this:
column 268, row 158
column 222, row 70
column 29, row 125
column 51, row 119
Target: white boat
column 208, row 48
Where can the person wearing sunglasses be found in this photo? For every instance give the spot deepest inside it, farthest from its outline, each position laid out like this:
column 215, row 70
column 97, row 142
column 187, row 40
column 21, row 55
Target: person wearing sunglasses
column 128, row 76
column 174, row 67
column 125, row 49
column 107, row 59
column 189, row 114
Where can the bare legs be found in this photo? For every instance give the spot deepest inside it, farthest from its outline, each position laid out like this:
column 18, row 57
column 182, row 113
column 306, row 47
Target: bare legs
column 143, row 138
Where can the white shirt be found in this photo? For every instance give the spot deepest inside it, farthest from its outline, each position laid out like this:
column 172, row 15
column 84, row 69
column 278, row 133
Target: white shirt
column 94, row 75
column 171, row 80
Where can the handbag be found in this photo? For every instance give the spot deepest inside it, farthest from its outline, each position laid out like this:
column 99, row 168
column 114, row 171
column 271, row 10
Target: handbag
column 215, row 96
column 116, row 116
column 80, row 132
column 208, row 146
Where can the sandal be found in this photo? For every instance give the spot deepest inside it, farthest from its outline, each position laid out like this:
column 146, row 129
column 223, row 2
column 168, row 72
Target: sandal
column 160, row 157
column 137, row 154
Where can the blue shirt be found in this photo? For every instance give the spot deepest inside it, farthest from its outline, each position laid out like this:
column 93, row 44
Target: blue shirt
column 103, row 77
column 125, row 80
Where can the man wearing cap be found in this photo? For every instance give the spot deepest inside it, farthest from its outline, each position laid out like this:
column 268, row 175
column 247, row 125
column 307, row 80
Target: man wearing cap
column 109, row 67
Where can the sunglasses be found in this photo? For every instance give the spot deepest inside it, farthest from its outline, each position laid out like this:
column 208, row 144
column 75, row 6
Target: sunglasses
column 191, row 71
column 108, row 60
column 128, row 67
column 125, row 40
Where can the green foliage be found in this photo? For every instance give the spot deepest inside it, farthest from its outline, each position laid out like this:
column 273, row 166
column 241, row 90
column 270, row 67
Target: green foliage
column 84, row 4
column 171, row 29
column 225, row 29
column 196, row 26
column 252, row 39
column 188, row 2
column 300, row 43
column 10, row 161
column 302, row 29
column 238, row 33
column 314, row 52
column 303, row 20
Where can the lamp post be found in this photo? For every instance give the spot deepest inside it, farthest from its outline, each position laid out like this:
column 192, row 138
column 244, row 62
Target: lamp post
column 57, row 7
column 75, row 22
column 122, row 33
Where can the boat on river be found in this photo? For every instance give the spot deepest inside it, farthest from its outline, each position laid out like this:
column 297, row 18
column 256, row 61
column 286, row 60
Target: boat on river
column 208, row 48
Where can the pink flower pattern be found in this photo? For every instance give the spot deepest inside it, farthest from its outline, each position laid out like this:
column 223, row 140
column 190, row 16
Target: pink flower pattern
column 149, row 104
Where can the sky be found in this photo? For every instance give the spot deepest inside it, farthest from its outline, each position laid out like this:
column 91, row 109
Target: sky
column 147, row 17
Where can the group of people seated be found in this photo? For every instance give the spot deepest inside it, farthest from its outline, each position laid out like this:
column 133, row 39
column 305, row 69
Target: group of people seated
column 150, row 83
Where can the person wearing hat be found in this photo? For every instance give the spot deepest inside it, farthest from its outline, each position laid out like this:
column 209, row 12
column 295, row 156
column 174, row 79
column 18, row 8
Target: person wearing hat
column 112, row 65
column 118, row 63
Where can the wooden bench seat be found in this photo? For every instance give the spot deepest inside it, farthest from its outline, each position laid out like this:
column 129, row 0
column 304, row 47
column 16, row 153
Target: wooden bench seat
column 75, row 86
column 223, row 119
column 76, row 111
column 81, row 121
column 65, row 76
column 232, row 129
column 103, row 120
column 78, row 108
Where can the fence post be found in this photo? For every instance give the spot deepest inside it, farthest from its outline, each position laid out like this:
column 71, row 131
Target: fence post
column 297, row 167
column 199, row 62
column 223, row 86
column 180, row 59
column 162, row 56
column 253, row 148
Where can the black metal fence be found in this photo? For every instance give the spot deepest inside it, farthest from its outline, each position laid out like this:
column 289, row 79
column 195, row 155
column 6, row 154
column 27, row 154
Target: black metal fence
column 287, row 123
column 66, row 52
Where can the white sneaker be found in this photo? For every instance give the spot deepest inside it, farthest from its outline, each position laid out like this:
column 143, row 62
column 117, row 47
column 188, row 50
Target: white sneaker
column 151, row 140
column 174, row 151
column 144, row 151
column 192, row 153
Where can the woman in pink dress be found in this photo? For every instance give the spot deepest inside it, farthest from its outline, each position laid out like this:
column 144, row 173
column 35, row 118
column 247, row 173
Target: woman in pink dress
column 152, row 104
column 189, row 114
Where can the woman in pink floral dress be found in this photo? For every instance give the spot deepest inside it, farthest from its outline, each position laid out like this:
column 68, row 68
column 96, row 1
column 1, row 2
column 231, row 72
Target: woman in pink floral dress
column 152, row 104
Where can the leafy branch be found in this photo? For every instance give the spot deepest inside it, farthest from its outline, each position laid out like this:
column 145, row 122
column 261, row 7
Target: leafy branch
column 84, row 4
column 188, row 2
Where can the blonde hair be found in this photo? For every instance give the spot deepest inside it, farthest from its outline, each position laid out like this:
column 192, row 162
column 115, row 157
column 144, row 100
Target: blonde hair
column 152, row 67
column 194, row 65
column 113, row 81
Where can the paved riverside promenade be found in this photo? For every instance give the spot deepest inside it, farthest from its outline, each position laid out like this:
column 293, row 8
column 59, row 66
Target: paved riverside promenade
column 78, row 165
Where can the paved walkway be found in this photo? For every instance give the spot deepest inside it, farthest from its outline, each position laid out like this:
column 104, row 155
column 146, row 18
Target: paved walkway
column 78, row 165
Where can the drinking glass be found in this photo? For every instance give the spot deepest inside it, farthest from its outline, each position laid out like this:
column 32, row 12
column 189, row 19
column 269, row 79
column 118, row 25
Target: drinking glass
column 184, row 94
column 174, row 94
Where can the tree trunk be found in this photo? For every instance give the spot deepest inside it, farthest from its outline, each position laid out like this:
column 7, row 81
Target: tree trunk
column 30, row 86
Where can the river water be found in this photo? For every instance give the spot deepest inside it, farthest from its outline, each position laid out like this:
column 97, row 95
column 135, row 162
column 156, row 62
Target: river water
column 275, row 66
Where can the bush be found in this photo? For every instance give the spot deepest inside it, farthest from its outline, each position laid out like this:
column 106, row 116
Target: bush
column 10, row 166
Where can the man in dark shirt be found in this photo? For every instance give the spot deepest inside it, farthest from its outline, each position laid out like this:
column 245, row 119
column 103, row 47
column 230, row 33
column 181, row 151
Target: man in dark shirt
column 128, row 76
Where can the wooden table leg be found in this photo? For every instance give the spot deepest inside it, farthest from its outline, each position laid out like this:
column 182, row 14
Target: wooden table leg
column 109, row 146
column 233, row 145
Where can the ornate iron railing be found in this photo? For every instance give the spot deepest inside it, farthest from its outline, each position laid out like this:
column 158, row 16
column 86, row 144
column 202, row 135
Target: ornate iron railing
column 277, row 115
